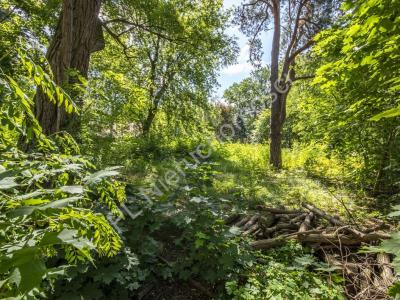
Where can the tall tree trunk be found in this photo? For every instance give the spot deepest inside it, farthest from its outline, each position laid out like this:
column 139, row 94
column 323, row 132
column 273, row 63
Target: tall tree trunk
column 78, row 34
column 149, row 121
column 275, row 152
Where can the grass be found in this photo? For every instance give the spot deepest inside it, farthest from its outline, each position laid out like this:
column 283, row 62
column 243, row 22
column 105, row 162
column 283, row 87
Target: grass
column 242, row 175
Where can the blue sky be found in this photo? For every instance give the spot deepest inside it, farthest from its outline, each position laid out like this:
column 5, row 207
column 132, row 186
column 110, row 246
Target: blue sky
column 242, row 69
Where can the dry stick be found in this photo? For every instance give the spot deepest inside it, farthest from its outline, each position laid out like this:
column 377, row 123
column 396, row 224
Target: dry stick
column 348, row 268
column 306, row 223
column 298, row 218
column 319, row 237
column 287, row 216
column 365, row 280
column 251, row 222
column 332, row 220
column 271, row 243
column 242, row 221
column 347, row 210
column 386, row 271
column 317, row 211
column 253, row 229
column 279, row 210
column 279, row 226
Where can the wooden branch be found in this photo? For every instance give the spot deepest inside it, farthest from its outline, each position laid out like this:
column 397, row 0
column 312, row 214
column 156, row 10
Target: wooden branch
column 320, row 237
column 303, row 77
column 251, row 222
column 386, row 275
column 118, row 40
column 294, row 36
column 231, row 219
column 143, row 27
column 279, row 210
column 307, row 223
column 252, row 229
column 317, row 211
column 271, row 243
column 300, row 50
column 278, row 227
column 242, row 221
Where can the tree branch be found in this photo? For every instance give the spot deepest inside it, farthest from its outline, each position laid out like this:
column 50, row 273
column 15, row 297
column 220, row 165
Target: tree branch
column 301, row 49
column 303, row 77
column 135, row 25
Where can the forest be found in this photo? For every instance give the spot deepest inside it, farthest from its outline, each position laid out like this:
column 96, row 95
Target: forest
column 199, row 149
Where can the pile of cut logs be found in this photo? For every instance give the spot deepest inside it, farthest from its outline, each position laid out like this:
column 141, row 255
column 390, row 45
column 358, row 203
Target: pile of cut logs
column 367, row 276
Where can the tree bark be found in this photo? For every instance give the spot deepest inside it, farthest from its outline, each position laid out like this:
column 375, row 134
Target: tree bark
column 149, row 121
column 275, row 152
column 78, row 34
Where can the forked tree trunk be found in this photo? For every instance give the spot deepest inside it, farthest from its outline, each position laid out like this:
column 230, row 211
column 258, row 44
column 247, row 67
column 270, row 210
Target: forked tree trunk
column 78, row 34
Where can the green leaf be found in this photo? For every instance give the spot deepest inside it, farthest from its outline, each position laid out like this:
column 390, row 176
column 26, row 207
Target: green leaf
column 391, row 113
column 8, row 183
column 27, row 210
column 34, row 194
column 394, row 290
column 100, row 175
column 72, row 189
column 29, row 275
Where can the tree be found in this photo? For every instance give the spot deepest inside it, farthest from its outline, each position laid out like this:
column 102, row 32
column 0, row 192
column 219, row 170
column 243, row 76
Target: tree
column 300, row 21
column 248, row 98
column 359, row 78
column 178, row 67
column 77, row 36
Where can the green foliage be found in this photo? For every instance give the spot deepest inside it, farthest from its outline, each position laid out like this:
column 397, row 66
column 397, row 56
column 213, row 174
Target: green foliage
column 248, row 99
column 16, row 112
column 287, row 273
column 260, row 133
column 112, row 278
column 358, row 80
column 51, row 209
column 51, row 201
column 147, row 106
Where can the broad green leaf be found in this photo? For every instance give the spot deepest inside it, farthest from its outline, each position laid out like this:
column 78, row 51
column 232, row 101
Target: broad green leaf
column 8, row 183
column 391, row 113
column 27, row 210
column 72, row 189
column 29, row 275
column 100, row 175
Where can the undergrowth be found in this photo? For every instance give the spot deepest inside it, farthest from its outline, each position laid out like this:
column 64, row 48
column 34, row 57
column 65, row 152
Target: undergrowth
column 177, row 233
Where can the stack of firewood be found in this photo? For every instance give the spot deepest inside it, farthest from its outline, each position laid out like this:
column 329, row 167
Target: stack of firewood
column 367, row 276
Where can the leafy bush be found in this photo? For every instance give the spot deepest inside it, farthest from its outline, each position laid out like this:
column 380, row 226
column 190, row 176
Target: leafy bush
column 289, row 272
column 319, row 161
column 51, row 218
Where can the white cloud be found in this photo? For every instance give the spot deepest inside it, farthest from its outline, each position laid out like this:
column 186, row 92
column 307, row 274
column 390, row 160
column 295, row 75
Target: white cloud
column 242, row 66
column 237, row 69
